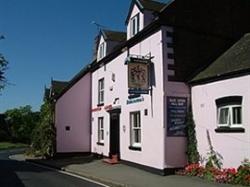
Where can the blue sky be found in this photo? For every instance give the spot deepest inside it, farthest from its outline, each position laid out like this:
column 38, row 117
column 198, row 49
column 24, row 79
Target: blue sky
column 50, row 38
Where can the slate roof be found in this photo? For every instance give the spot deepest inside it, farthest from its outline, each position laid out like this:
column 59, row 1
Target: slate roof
column 154, row 6
column 235, row 60
column 114, row 35
column 57, row 87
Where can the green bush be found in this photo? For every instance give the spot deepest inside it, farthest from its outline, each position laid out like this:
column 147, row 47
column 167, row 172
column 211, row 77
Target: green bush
column 21, row 122
column 43, row 136
column 240, row 176
column 192, row 152
column 243, row 174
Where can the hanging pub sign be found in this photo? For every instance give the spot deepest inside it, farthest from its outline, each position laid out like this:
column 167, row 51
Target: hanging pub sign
column 176, row 116
column 138, row 75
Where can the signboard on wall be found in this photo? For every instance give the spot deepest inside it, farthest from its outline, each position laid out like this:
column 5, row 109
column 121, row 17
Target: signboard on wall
column 138, row 76
column 176, row 116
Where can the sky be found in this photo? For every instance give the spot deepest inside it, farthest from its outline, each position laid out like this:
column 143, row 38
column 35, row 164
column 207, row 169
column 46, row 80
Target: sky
column 47, row 39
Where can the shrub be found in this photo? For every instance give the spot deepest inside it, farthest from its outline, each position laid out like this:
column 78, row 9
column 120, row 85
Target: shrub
column 240, row 176
column 192, row 152
column 43, row 136
column 243, row 175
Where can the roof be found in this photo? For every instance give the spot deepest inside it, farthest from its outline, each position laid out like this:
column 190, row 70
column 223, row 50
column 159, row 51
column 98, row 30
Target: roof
column 150, row 5
column 234, row 61
column 114, row 35
column 57, row 86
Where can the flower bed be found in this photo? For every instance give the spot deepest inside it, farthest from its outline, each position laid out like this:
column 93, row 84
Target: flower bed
column 230, row 175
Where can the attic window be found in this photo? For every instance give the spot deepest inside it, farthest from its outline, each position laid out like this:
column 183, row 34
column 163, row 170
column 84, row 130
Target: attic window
column 134, row 25
column 102, row 50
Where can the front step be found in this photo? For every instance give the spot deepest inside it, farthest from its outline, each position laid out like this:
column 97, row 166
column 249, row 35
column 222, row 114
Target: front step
column 112, row 160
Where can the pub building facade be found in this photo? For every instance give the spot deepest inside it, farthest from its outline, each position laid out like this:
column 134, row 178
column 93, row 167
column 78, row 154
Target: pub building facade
column 139, row 81
column 131, row 95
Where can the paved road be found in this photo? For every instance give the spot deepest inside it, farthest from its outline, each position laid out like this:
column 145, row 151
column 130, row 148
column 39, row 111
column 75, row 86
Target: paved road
column 20, row 174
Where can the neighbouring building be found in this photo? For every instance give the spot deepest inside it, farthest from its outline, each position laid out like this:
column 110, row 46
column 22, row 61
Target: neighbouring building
column 72, row 115
column 220, row 102
column 51, row 93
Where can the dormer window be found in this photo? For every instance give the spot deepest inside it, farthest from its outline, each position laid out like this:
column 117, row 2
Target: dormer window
column 102, row 50
column 134, row 25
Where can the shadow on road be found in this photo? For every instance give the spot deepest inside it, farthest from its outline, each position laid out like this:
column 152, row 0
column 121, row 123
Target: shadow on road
column 61, row 162
column 9, row 170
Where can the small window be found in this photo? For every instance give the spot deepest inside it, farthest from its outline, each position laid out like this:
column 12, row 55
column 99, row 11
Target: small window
column 170, row 45
column 229, row 111
column 170, row 56
column 100, row 130
column 135, row 124
column 101, row 50
column 101, row 91
column 169, row 34
column 134, row 25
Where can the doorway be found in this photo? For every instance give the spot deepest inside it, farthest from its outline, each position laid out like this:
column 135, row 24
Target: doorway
column 115, row 132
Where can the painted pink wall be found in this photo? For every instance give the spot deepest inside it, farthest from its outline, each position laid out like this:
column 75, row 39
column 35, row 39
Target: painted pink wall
column 175, row 147
column 234, row 147
column 73, row 109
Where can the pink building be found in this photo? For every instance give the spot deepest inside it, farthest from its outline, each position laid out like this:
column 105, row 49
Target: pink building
column 132, row 95
column 220, row 102
column 72, row 115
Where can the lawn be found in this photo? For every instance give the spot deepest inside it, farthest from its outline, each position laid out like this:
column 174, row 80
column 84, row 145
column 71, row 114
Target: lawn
column 9, row 145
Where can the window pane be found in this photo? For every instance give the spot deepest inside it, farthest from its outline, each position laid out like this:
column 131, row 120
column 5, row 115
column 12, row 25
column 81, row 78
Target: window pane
column 223, row 116
column 136, row 136
column 137, row 23
column 100, row 91
column 237, row 115
column 102, row 135
column 135, row 128
column 100, row 129
column 138, row 120
column 139, row 135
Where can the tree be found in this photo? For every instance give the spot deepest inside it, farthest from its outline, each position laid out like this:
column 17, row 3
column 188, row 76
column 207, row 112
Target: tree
column 43, row 136
column 21, row 122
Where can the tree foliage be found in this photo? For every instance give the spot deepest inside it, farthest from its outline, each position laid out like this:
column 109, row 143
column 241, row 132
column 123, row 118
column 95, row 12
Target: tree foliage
column 3, row 67
column 43, row 136
column 192, row 152
column 21, row 122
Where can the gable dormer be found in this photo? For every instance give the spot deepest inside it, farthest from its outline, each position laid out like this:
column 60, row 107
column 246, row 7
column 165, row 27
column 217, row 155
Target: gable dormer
column 107, row 41
column 141, row 13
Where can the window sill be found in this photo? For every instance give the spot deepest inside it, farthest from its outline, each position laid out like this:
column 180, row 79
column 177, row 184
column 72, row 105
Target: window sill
column 230, row 130
column 134, row 148
column 99, row 143
column 101, row 104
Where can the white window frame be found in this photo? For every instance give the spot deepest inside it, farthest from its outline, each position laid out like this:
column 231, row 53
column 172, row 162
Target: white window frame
column 230, row 116
column 100, row 130
column 101, row 91
column 102, row 50
column 135, row 25
column 135, row 127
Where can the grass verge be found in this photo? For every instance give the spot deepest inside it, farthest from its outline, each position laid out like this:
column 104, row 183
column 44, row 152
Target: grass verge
column 9, row 145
